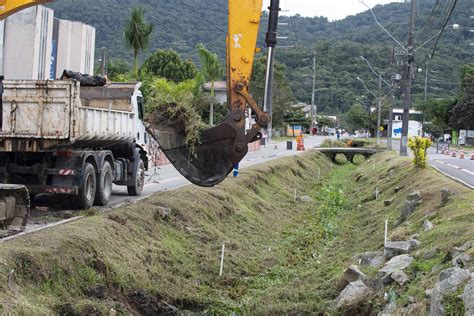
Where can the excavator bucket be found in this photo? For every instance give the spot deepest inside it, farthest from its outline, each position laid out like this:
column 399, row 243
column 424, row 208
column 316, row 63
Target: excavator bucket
column 209, row 162
column 14, row 208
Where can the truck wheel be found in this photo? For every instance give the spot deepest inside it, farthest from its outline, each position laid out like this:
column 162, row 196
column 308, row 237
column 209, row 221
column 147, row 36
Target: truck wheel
column 104, row 185
column 137, row 188
column 86, row 196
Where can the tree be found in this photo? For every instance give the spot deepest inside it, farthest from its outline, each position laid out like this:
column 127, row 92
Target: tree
column 438, row 112
column 211, row 71
column 137, row 35
column 463, row 111
column 326, row 121
column 296, row 117
column 169, row 65
column 357, row 118
column 117, row 68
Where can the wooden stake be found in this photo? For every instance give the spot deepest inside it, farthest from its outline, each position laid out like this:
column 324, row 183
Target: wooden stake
column 222, row 259
column 385, row 236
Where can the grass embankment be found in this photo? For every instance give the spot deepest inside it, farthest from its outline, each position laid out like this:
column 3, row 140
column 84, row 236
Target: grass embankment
column 281, row 257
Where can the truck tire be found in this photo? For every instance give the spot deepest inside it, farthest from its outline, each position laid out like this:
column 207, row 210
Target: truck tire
column 104, row 185
column 137, row 188
column 86, row 195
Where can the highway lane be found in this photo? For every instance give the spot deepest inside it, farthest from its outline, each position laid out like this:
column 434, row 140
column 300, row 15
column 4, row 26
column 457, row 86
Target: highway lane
column 461, row 170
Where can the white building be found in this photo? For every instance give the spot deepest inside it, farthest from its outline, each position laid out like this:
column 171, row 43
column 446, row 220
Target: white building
column 26, row 43
column 414, row 127
column 35, row 45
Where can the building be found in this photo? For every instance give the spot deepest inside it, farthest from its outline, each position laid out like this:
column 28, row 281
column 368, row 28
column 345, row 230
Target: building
column 35, row 45
column 415, row 127
column 26, row 44
column 220, row 91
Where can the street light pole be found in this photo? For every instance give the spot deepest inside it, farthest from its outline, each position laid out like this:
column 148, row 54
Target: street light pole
column 313, row 106
column 408, row 71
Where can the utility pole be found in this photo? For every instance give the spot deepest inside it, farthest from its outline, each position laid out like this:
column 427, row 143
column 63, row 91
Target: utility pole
column 426, row 82
column 391, row 102
column 313, row 106
column 271, row 40
column 410, row 56
column 379, row 110
column 103, row 62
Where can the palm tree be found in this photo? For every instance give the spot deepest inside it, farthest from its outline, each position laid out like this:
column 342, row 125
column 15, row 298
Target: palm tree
column 137, row 35
column 211, row 71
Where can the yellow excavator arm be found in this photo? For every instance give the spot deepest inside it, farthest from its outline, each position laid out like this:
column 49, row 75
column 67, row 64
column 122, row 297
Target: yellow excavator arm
column 244, row 21
column 8, row 7
column 222, row 147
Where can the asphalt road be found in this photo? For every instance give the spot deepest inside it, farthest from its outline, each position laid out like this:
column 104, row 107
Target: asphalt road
column 461, row 170
column 166, row 177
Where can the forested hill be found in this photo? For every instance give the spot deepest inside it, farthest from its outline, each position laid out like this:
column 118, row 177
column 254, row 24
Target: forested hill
column 181, row 24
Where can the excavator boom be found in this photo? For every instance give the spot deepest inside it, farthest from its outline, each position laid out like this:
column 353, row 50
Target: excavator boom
column 8, row 7
column 222, row 147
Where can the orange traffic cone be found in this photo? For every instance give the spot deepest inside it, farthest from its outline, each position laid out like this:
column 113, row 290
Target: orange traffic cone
column 454, row 154
column 447, row 152
column 461, row 156
column 442, row 150
column 472, row 156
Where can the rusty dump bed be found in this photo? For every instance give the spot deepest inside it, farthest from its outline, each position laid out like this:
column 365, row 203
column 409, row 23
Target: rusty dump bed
column 44, row 115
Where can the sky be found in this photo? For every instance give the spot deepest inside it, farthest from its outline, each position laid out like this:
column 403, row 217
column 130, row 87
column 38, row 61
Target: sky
column 332, row 9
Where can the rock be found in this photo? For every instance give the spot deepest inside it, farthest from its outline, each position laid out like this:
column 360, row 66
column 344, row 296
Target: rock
column 448, row 282
column 372, row 259
column 462, row 260
column 468, row 298
column 397, row 263
column 11, row 281
column 389, row 309
column 427, row 225
column 430, row 254
column 353, row 294
column 304, row 198
column 464, row 247
column 163, row 213
column 353, row 274
column 388, row 202
column 428, row 292
column 398, row 189
column 413, row 309
column 395, row 248
column 407, row 209
column 445, row 195
column 413, row 244
column 400, row 277
column 415, row 198
column 415, row 236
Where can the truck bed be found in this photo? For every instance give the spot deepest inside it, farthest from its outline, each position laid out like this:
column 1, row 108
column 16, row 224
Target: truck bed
column 46, row 115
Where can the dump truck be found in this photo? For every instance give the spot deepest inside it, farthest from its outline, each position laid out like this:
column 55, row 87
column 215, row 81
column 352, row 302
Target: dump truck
column 61, row 138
